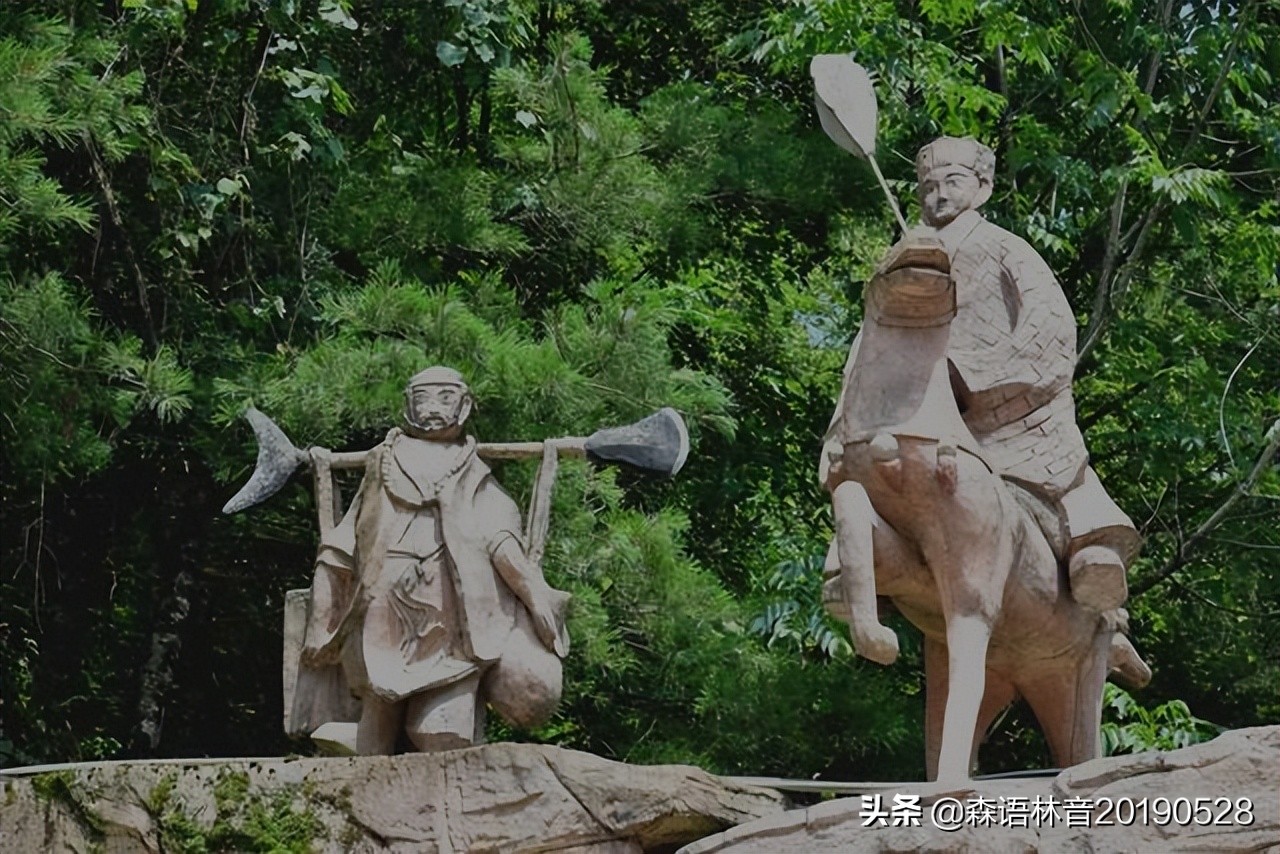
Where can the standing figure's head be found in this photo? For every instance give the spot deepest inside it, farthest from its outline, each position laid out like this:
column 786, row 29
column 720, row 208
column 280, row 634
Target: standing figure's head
column 955, row 176
column 437, row 403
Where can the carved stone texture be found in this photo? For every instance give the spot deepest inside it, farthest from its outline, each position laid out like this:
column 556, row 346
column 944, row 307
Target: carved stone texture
column 495, row 798
column 1243, row 765
column 428, row 605
column 960, row 482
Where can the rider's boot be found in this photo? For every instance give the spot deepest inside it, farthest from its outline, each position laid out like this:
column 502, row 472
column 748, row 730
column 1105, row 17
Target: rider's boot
column 1098, row 578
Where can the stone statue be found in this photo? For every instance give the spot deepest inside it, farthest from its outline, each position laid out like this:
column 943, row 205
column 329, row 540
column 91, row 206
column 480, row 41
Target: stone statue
column 960, row 483
column 424, row 590
column 428, row 602
column 1011, row 356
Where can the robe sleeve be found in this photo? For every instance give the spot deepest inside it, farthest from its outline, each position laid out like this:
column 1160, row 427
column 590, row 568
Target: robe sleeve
column 497, row 516
column 1042, row 347
column 1028, row 362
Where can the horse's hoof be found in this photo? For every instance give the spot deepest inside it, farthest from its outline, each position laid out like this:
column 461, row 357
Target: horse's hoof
column 878, row 644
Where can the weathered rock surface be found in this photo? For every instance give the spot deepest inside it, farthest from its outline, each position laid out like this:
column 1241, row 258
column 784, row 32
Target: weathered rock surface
column 499, row 797
column 1243, row 764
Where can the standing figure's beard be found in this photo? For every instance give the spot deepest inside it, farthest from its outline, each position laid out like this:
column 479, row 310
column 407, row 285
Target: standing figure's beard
column 434, row 428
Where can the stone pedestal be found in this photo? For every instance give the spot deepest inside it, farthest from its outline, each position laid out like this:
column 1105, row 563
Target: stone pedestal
column 1203, row 787
column 499, row 797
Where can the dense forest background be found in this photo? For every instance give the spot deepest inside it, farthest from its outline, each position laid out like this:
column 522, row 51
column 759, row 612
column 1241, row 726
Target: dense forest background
column 594, row 209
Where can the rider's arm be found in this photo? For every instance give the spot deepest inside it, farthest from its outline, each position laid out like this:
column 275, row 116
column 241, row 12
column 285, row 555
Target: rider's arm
column 1042, row 343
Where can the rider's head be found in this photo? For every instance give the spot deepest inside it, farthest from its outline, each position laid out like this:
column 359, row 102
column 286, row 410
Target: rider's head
column 955, row 176
column 437, row 403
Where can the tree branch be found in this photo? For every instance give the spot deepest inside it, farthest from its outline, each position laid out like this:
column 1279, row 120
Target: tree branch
column 263, row 49
column 1242, row 490
column 1260, row 615
column 159, row 673
column 1153, row 66
column 1107, row 289
column 1227, row 61
column 1103, row 290
column 100, row 173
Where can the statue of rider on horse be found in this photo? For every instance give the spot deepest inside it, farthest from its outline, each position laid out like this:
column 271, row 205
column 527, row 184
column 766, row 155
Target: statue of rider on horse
column 960, row 483
column 1012, row 354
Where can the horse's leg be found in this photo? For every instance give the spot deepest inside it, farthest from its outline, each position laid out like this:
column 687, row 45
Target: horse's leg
column 1068, row 704
column 854, row 521
column 967, row 639
column 971, row 568
column 997, row 697
column 935, row 703
column 999, row 694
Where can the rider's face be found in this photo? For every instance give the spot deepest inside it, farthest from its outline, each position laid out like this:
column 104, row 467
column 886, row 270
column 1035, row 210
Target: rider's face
column 946, row 192
column 437, row 407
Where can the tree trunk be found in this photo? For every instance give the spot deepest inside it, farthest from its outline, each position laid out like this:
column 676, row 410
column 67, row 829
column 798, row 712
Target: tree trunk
column 158, row 676
column 462, row 101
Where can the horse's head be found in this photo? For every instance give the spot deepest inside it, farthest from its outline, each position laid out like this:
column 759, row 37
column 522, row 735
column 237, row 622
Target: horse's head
column 913, row 286
column 897, row 382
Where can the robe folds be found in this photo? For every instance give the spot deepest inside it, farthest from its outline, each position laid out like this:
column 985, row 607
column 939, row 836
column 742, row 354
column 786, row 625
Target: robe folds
column 356, row 579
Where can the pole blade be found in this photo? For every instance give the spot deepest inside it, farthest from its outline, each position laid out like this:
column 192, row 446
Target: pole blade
column 846, row 102
column 277, row 461
column 658, row 443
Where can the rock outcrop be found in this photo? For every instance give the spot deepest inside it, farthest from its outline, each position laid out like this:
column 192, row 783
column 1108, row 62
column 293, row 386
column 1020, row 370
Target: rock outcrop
column 1138, row 803
column 499, row 797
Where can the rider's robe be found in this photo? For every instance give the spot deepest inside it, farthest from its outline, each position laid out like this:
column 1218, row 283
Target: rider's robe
column 1012, row 353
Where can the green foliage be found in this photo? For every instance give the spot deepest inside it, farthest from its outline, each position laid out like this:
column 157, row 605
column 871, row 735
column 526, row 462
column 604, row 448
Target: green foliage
column 798, row 618
column 593, row 212
column 246, row 821
column 54, row 96
column 60, row 787
column 1127, row 727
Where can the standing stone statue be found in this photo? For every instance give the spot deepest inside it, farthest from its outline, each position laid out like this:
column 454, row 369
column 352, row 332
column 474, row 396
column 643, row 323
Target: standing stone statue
column 959, row 480
column 428, row 603
column 424, row 593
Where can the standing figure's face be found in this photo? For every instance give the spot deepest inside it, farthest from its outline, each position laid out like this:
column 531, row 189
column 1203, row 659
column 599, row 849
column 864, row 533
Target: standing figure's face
column 948, row 191
column 439, row 409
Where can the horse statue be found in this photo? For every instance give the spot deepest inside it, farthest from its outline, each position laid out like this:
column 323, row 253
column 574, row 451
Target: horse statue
column 922, row 519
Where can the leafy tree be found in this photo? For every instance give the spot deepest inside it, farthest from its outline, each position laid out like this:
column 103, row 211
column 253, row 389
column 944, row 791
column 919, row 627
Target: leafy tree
column 593, row 210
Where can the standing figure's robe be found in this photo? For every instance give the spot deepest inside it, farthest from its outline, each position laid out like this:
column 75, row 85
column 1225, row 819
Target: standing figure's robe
column 406, row 596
